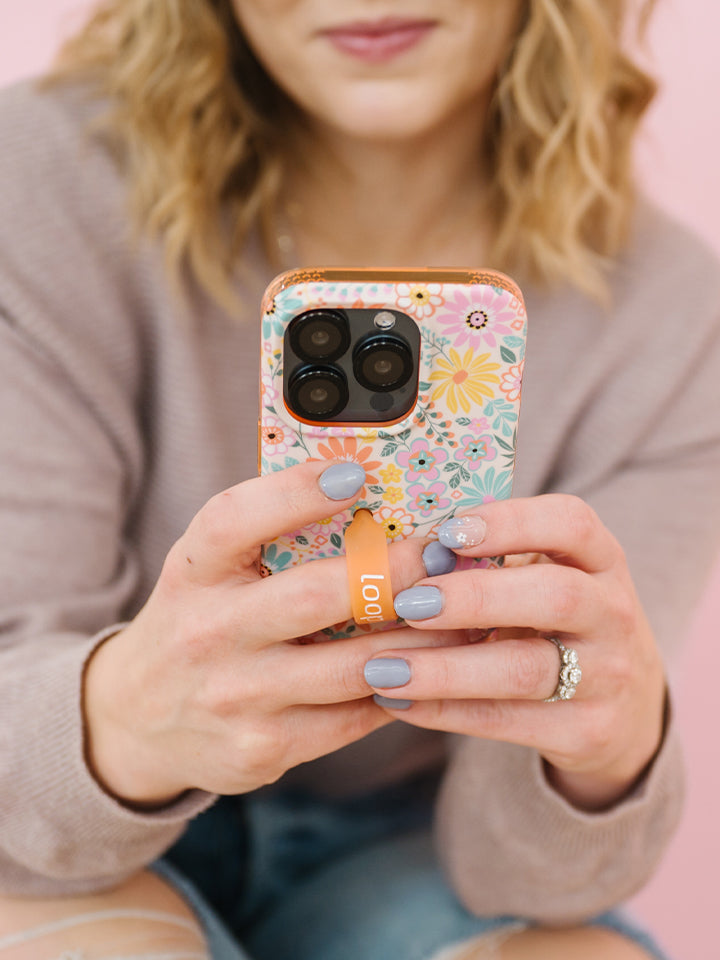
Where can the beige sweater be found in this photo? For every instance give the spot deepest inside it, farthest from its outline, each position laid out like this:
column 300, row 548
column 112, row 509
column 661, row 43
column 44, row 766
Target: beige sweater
column 121, row 414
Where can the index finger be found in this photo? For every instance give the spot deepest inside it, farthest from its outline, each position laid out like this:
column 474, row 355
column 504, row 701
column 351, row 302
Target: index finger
column 561, row 526
column 225, row 536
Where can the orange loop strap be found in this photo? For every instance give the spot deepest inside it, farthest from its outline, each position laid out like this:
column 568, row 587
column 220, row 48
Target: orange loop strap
column 368, row 566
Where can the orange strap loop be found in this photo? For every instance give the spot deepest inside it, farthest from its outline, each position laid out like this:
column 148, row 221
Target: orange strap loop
column 368, row 565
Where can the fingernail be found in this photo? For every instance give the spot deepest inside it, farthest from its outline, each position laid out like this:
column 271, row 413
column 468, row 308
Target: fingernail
column 438, row 559
column 387, row 672
column 342, row 480
column 392, row 704
column 418, row 603
column 460, row 532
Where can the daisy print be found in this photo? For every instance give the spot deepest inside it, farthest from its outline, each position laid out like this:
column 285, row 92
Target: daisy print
column 268, row 393
column 512, row 382
column 321, row 531
column 276, row 437
column 420, row 300
column 396, row 522
column 348, row 449
column 464, row 380
column 478, row 317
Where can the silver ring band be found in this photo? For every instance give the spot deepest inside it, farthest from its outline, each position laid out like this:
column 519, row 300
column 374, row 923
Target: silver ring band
column 570, row 673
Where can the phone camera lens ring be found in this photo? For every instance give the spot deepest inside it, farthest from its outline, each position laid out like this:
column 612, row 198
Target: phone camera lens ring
column 319, row 335
column 382, row 362
column 317, row 392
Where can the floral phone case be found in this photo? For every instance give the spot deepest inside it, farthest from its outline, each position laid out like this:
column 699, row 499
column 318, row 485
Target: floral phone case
column 455, row 447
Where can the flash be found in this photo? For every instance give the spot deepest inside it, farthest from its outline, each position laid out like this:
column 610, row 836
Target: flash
column 384, row 320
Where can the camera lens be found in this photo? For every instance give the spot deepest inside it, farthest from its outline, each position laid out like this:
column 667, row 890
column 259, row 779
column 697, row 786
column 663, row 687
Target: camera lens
column 382, row 362
column 317, row 392
column 319, row 335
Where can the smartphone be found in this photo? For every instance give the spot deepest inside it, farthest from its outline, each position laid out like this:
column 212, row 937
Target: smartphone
column 414, row 374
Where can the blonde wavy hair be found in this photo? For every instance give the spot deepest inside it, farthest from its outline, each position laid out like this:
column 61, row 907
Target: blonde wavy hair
column 179, row 74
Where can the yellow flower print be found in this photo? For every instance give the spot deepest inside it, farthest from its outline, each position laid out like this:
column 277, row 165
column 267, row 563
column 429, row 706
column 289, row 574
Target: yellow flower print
column 391, row 474
column 466, row 379
column 393, row 494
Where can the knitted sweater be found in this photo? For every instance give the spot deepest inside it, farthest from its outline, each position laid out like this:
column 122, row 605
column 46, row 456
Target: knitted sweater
column 124, row 410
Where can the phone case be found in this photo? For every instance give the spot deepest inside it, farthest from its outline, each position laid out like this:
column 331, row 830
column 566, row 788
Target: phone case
column 455, row 448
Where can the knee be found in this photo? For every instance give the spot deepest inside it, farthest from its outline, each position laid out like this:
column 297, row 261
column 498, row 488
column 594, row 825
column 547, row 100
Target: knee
column 588, row 943
column 144, row 912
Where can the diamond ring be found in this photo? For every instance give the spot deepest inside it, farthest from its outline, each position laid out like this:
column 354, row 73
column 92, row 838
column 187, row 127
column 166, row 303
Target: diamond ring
column 570, row 673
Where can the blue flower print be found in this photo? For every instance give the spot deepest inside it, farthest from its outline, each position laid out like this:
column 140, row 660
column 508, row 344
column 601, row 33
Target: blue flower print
column 487, row 486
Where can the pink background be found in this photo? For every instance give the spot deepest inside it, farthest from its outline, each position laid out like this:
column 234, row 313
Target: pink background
column 678, row 159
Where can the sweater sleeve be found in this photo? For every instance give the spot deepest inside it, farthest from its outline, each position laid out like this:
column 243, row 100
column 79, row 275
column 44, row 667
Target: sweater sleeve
column 643, row 448
column 535, row 855
column 71, row 460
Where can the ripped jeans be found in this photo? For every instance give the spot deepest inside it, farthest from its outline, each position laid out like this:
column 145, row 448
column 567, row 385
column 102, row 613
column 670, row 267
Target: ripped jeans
column 284, row 876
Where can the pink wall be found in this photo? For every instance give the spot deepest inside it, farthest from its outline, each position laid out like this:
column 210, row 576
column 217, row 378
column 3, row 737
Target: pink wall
column 678, row 158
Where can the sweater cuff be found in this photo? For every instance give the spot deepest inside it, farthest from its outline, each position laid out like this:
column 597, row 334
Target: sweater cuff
column 548, row 813
column 512, row 844
column 62, row 832
column 640, row 787
column 187, row 805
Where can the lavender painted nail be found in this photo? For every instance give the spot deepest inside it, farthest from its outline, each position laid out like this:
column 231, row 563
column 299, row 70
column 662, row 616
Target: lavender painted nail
column 461, row 532
column 342, row 480
column 387, row 672
column 392, row 704
column 438, row 559
column 418, row 603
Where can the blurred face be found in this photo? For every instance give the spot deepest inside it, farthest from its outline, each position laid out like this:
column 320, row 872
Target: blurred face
column 381, row 69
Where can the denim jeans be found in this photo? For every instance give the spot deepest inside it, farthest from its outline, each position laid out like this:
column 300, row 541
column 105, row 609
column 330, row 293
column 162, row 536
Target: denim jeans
column 285, row 876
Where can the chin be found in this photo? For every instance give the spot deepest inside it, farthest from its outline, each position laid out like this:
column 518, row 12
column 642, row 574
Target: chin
column 376, row 116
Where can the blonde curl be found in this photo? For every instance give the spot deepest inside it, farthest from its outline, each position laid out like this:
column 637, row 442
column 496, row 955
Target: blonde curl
column 190, row 112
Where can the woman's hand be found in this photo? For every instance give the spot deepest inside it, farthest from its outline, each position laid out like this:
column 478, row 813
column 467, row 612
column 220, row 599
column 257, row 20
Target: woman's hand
column 596, row 744
column 202, row 688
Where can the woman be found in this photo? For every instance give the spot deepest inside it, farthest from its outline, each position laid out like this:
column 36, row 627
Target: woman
column 240, row 138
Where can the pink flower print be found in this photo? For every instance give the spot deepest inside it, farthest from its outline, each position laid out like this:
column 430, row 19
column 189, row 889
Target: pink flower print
column 397, row 522
column 319, row 533
column 276, row 438
column 474, row 451
column 421, row 300
column 420, row 461
column 478, row 316
column 427, row 498
column 512, row 381
column 479, row 425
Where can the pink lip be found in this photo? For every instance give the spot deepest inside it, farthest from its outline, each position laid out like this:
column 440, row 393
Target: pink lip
column 376, row 41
